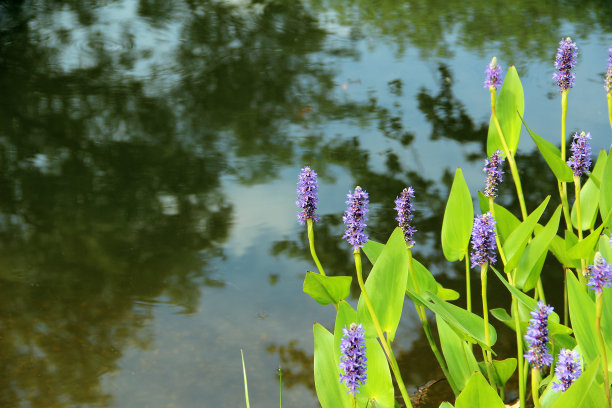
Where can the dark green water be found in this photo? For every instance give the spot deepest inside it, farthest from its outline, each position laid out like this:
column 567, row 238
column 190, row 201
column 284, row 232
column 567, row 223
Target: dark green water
column 149, row 152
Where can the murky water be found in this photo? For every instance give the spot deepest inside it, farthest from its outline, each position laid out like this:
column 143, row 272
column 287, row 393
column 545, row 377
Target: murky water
column 149, row 152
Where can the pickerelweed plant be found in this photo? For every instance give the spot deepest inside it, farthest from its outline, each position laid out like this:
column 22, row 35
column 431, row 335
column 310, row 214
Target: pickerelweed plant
column 354, row 364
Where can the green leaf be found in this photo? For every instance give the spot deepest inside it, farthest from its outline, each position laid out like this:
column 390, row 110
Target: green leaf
column 372, row 249
column 589, row 196
column 605, row 248
column 467, row 325
column 585, row 392
column 558, row 247
column 458, row 219
column 505, row 221
column 509, row 101
column 427, row 282
column 386, row 286
column 605, row 193
column 478, row 393
column 532, row 260
column 446, row 404
column 458, row 355
column 606, row 317
column 516, row 242
column 502, row 369
column 330, row 391
column 584, row 248
column 503, row 316
column 327, row 289
column 552, row 155
column 582, row 315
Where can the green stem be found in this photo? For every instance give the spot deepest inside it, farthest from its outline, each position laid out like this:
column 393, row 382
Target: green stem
column 602, row 343
column 562, row 184
column 519, row 347
column 468, row 284
column 485, row 316
column 511, row 162
column 312, row 247
column 540, row 289
column 535, row 387
column 381, row 337
column 280, row 380
column 579, row 220
column 499, row 246
column 427, row 329
column 565, row 300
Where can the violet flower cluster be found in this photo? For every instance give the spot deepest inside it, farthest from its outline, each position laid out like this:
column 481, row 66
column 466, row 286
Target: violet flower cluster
column 355, row 218
column 493, row 74
column 581, row 154
column 483, row 240
column 307, row 190
column 404, row 208
column 600, row 274
column 494, row 174
column 567, row 370
column 353, row 358
column 608, row 78
column 565, row 62
column 538, row 354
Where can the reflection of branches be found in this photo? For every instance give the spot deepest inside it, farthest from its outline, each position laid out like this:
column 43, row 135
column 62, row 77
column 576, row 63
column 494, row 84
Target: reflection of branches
column 297, row 365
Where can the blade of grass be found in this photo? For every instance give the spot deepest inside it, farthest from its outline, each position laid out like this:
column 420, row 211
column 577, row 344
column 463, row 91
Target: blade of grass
column 246, row 388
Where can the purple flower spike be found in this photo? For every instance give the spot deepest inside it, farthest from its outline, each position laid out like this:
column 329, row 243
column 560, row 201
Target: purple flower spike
column 567, row 370
column 581, row 154
column 608, row 79
column 494, row 174
column 483, row 240
column 353, row 359
column 565, row 62
column 404, row 208
column 537, row 337
column 307, row 199
column 355, row 218
column 600, row 274
column 493, row 74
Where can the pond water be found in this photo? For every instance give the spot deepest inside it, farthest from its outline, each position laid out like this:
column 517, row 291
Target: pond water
column 149, row 153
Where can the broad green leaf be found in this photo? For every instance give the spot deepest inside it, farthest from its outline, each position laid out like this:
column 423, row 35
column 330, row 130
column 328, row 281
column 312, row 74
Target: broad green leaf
column 589, row 196
column 446, row 404
column 552, row 155
column 505, row 221
column 372, row 249
column 467, row 325
column 516, row 242
column 327, row 289
column 584, row 249
column 331, row 393
column 503, row 316
column 458, row 219
column 606, row 316
column 582, row 315
column 605, row 193
column 532, row 260
column 478, row 393
column 427, row 282
column 586, row 392
column 558, row 247
column 502, row 369
column 605, row 248
column 386, row 286
column 379, row 386
column 510, row 104
column 458, row 355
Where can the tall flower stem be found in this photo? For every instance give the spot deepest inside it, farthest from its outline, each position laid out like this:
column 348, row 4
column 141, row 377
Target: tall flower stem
column 427, row 328
column 485, row 316
column 609, row 96
column 602, row 343
column 519, row 347
column 535, row 387
column 579, row 220
column 497, row 241
column 509, row 156
column 385, row 345
column 312, row 247
column 562, row 184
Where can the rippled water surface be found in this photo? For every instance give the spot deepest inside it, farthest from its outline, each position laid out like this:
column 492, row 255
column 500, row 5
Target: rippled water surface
column 149, row 152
